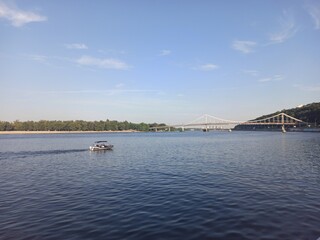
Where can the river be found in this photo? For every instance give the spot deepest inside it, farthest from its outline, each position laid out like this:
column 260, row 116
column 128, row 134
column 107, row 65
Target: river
column 188, row 185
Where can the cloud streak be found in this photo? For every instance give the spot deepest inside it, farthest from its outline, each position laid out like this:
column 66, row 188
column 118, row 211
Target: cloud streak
column 107, row 63
column 76, row 46
column 109, row 92
column 310, row 88
column 287, row 29
column 165, row 52
column 206, row 67
column 314, row 12
column 37, row 58
column 272, row 79
column 253, row 73
column 19, row 17
column 244, row 46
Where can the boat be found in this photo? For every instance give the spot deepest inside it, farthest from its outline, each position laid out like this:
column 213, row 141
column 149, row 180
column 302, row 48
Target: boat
column 100, row 146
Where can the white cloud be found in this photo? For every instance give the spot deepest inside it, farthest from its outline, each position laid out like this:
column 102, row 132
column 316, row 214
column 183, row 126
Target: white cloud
column 265, row 80
column 165, row 52
column 38, row 58
column 244, row 46
column 76, row 46
column 18, row 17
column 253, row 73
column 278, row 77
column 120, row 85
column 272, row 79
column 109, row 92
column 207, row 67
column 108, row 63
column 260, row 78
column 314, row 11
column 314, row 88
column 287, row 29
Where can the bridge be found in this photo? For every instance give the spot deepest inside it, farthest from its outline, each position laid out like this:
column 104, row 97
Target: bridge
column 207, row 122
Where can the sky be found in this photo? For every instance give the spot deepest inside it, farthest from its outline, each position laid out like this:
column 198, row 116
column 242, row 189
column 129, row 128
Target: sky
column 167, row 61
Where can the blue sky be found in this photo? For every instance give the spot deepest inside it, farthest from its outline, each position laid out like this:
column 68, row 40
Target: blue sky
column 157, row 61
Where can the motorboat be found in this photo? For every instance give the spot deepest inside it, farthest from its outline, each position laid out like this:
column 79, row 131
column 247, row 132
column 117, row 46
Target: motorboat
column 100, row 146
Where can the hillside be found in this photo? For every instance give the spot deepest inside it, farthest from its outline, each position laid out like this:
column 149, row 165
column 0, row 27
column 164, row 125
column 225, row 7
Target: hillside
column 309, row 113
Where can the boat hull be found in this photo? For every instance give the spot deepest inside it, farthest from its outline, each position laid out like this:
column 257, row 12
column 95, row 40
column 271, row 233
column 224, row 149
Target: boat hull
column 102, row 148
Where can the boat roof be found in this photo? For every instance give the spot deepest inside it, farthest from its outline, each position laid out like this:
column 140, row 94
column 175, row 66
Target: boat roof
column 100, row 141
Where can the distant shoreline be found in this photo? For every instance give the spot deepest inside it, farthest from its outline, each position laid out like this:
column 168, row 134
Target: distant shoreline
column 63, row 132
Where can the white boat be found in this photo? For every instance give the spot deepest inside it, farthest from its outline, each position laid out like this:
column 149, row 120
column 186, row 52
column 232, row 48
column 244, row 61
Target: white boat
column 100, row 146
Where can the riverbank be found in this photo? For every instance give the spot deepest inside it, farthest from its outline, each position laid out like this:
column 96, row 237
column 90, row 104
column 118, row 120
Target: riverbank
column 63, row 132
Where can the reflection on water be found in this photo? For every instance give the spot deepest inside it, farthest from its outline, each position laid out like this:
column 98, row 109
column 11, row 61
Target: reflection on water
column 239, row 185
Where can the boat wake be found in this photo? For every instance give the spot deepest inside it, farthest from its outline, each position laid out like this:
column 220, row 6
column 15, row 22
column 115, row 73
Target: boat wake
column 25, row 154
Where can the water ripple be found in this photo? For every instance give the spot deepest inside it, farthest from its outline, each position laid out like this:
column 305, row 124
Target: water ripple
column 257, row 186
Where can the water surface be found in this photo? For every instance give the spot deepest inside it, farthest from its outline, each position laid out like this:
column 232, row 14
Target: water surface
column 190, row 185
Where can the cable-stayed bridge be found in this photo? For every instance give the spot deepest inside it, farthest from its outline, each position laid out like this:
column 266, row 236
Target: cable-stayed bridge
column 207, row 122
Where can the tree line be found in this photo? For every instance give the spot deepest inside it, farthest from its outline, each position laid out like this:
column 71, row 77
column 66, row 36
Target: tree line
column 77, row 125
column 309, row 113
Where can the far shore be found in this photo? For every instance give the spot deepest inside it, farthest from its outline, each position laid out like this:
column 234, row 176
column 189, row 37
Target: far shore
column 63, row 132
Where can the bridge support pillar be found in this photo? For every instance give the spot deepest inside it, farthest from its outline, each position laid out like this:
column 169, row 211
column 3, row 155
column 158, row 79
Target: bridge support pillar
column 282, row 121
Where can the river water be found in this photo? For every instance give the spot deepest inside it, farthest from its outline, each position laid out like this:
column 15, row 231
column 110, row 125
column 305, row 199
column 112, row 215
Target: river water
column 189, row 185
